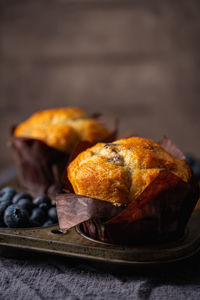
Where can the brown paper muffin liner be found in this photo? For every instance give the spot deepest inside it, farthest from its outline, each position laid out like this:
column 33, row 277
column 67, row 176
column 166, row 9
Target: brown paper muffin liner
column 160, row 213
column 39, row 166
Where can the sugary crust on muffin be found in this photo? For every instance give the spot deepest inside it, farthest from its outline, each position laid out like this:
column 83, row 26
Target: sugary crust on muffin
column 118, row 172
column 61, row 128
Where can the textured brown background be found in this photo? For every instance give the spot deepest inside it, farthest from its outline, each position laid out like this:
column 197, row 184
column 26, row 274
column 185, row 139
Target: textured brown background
column 135, row 59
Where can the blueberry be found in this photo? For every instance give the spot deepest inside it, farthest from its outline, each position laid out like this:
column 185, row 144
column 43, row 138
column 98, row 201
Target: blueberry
column 44, row 206
column 19, row 196
column 25, row 203
column 52, row 214
column 196, row 170
column 48, row 223
column 3, row 206
column 42, row 199
column 37, row 217
column 7, row 193
column 15, row 216
column 9, row 189
column 190, row 159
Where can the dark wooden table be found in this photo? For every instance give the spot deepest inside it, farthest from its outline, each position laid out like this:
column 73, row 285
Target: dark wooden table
column 135, row 59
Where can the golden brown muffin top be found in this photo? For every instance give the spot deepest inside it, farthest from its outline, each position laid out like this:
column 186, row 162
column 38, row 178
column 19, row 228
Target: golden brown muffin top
column 118, row 172
column 61, row 128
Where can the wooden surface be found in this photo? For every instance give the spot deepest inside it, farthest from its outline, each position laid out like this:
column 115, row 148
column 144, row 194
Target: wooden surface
column 135, row 59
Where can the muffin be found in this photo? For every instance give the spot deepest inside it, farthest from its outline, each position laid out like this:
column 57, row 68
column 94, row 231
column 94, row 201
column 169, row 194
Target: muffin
column 61, row 128
column 153, row 190
column 43, row 143
column 119, row 172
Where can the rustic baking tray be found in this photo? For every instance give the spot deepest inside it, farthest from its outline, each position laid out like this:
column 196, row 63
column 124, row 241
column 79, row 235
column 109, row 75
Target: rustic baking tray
column 50, row 240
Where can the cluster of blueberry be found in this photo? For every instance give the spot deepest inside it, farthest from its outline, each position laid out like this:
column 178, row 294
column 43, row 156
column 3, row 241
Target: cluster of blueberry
column 21, row 210
column 194, row 164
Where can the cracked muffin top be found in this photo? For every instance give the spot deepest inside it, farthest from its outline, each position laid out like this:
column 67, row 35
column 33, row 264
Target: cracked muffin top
column 118, row 172
column 61, row 128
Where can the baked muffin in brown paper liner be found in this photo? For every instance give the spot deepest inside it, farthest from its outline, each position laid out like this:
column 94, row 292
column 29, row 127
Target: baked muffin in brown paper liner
column 159, row 213
column 40, row 167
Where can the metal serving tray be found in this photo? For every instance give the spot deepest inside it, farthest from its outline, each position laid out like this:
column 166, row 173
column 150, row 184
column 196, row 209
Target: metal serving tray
column 50, row 240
